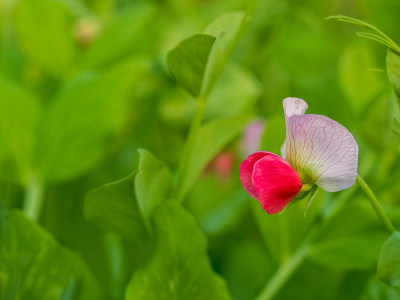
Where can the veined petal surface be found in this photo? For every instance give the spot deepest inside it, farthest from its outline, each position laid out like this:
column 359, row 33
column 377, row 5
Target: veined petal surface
column 322, row 151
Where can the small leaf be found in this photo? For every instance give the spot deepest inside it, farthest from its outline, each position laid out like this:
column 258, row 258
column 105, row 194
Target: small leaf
column 389, row 260
column 152, row 183
column 114, row 207
column 225, row 28
column 212, row 137
column 393, row 70
column 179, row 267
column 34, row 266
column 44, row 32
column 188, row 60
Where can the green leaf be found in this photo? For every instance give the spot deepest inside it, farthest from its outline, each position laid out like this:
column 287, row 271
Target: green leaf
column 114, row 207
column 197, row 62
column 128, row 33
column 188, row 60
column 236, row 92
column 44, row 33
column 34, row 266
column 393, row 70
column 125, row 206
column 20, row 112
column 359, row 83
column 345, row 244
column 152, row 183
column 389, row 260
column 179, row 267
column 354, row 252
column 80, row 123
column 225, row 28
column 377, row 290
column 212, row 137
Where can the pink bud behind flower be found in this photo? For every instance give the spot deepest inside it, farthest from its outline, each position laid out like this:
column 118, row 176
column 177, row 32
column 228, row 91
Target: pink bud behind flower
column 250, row 141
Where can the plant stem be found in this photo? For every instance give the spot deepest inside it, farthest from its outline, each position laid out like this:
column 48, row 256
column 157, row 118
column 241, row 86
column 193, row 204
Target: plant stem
column 33, row 198
column 284, row 272
column 375, row 204
column 287, row 269
column 189, row 148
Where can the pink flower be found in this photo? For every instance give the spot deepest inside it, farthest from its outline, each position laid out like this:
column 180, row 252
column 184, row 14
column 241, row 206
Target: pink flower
column 318, row 151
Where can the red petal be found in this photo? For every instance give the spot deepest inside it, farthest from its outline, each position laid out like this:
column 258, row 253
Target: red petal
column 246, row 171
column 275, row 182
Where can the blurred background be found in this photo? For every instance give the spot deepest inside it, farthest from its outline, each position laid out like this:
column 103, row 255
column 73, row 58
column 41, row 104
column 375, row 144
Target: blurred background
column 84, row 84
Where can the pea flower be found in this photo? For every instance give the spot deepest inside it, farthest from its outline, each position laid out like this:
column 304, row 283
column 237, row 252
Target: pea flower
column 318, row 151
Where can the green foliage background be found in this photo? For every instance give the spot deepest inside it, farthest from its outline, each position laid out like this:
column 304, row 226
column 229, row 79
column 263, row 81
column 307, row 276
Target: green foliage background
column 87, row 213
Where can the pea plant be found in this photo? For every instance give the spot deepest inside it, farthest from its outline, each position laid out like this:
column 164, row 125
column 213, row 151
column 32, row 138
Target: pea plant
column 147, row 155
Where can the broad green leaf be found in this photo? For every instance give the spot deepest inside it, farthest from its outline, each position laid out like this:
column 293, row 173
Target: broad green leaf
column 44, row 33
column 128, row 33
column 81, row 122
column 389, row 260
column 353, row 252
column 212, row 137
column 34, row 266
column 114, row 207
column 393, row 70
column 226, row 29
column 346, row 244
column 19, row 114
column 125, row 206
column 359, row 83
column 236, row 91
column 178, row 267
column 188, row 61
column 378, row 290
column 152, row 183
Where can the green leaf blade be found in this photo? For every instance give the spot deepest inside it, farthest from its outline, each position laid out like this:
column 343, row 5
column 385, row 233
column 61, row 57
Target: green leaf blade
column 34, row 266
column 212, row 137
column 179, row 268
column 114, row 207
column 188, row 60
column 393, row 70
column 152, row 183
column 389, row 260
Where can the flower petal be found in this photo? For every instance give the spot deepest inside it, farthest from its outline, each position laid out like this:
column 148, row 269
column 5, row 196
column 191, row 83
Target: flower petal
column 276, row 183
column 292, row 106
column 322, row 151
column 246, row 171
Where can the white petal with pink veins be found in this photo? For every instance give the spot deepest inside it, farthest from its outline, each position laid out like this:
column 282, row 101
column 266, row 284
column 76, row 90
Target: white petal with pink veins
column 292, row 106
column 322, row 151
